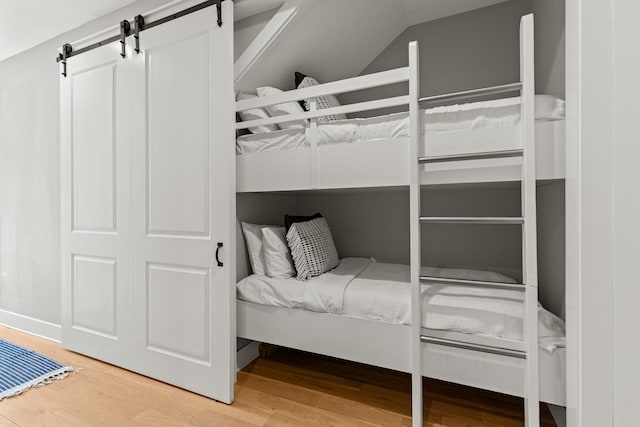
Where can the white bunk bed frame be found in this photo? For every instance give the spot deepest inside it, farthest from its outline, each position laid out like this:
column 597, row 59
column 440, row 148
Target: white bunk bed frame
column 383, row 163
column 484, row 155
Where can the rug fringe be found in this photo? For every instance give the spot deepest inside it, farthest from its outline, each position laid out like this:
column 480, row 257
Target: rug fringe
column 39, row 382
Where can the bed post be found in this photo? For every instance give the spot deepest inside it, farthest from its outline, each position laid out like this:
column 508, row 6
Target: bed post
column 313, row 145
column 414, row 214
column 529, row 246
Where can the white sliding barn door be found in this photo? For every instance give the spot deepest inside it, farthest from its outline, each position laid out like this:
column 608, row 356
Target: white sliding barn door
column 95, row 211
column 183, row 204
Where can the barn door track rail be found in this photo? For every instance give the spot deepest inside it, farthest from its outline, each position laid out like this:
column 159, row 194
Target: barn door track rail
column 139, row 25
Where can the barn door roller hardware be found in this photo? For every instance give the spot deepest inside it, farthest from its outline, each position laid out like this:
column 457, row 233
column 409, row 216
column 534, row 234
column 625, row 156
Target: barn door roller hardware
column 62, row 57
column 139, row 25
column 125, row 30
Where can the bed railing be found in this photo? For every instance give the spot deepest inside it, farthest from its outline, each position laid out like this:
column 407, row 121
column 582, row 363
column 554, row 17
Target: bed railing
column 472, row 93
column 384, row 78
column 369, row 81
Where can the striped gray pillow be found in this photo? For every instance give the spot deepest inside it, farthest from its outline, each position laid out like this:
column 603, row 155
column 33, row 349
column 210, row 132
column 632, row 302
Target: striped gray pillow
column 312, row 248
column 324, row 102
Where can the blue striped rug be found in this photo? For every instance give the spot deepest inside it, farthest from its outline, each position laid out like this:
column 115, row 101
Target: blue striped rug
column 21, row 369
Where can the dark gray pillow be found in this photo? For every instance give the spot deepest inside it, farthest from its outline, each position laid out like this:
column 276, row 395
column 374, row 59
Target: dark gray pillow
column 290, row 219
column 299, row 77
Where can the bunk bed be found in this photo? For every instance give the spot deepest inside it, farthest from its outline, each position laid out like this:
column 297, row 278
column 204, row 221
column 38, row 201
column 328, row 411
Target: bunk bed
column 319, row 156
column 372, row 152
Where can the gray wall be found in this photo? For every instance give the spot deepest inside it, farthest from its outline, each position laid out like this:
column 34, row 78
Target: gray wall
column 376, row 224
column 29, row 193
column 475, row 49
column 29, row 173
column 551, row 246
column 259, row 208
column 549, row 17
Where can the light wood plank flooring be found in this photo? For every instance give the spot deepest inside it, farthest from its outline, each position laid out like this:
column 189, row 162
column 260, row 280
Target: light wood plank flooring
column 288, row 389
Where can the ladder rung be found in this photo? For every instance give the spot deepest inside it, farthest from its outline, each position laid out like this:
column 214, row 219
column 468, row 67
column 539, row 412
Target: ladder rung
column 476, row 347
column 472, row 220
column 472, row 156
column 491, row 90
column 478, row 283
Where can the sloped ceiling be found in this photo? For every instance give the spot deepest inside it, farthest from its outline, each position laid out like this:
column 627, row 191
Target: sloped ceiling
column 330, row 39
column 246, row 8
column 335, row 39
column 419, row 11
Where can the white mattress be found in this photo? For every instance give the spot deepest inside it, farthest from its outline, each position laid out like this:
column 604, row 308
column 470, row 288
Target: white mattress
column 451, row 118
column 365, row 289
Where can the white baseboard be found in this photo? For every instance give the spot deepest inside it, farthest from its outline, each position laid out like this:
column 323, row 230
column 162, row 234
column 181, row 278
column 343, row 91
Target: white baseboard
column 32, row 326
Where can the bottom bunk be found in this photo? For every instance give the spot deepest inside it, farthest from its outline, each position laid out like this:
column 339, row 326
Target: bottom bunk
column 360, row 311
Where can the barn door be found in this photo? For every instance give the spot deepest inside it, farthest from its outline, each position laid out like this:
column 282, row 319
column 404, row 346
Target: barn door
column 95, row 213
column 183, row 204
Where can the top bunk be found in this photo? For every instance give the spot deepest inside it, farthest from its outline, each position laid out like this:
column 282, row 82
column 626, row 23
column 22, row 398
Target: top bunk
column 293, row 148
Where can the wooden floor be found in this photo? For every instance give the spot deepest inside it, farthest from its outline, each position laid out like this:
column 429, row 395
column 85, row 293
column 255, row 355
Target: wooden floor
column 288, row 389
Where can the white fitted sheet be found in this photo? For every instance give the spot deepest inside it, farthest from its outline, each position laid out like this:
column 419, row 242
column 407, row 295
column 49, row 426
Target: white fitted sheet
column 365, row 289
column 450, row 118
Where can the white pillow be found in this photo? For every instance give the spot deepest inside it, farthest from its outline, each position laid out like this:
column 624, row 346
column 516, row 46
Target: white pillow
column 253, row 237
column 255, row 114
column 282, row 109
column 277, row 261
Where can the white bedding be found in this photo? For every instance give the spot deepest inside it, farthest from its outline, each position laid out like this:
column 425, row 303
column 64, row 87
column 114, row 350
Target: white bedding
column 365, row 289
column 475, row 115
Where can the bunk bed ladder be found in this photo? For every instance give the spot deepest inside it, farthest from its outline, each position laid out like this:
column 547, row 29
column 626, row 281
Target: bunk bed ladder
column 414, row 212
column 529, row 232
column 527, row 222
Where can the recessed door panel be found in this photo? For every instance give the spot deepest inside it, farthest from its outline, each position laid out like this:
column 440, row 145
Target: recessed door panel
column 178, row 137
column 95, row 295
column 179, row 292
column 93, row 148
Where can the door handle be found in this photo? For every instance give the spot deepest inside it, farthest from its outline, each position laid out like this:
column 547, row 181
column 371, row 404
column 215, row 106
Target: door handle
column 220, row 264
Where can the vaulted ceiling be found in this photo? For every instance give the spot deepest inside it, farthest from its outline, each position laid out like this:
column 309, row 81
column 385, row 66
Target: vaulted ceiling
column 418, row 11
column 335, row 39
